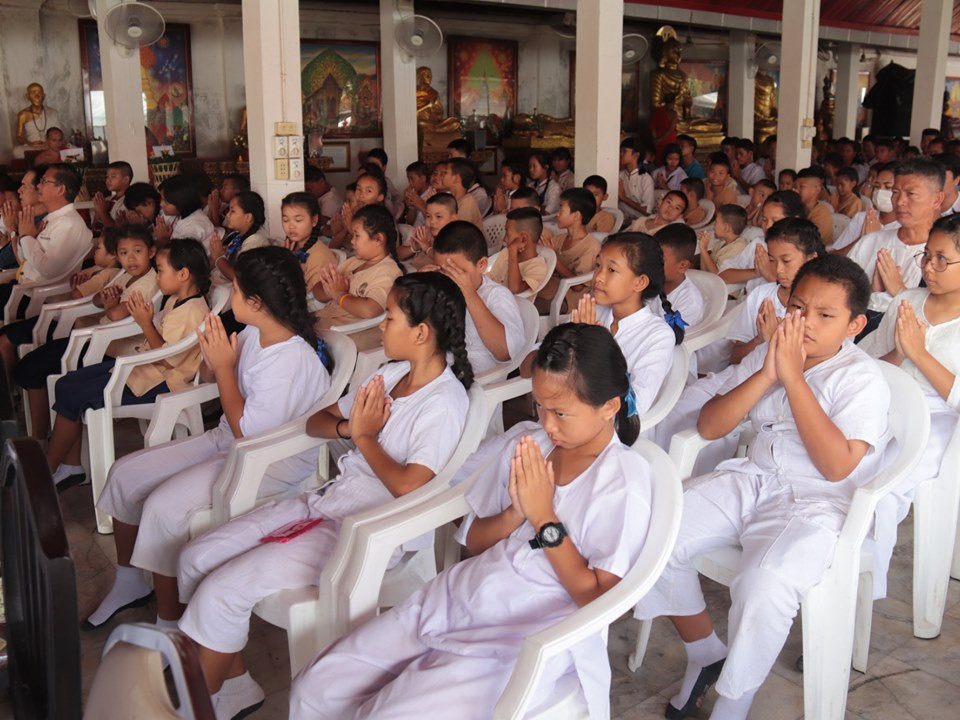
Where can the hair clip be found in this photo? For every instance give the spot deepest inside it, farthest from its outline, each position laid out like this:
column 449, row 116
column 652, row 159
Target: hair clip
column 675, row 320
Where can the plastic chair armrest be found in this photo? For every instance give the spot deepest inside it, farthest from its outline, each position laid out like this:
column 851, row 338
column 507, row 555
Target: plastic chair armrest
column 167, row 409
column 562, row 290
column 359, row 325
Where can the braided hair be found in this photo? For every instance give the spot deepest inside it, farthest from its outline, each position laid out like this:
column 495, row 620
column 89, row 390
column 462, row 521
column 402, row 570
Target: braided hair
column 645, row 257
column 595, row 368
column 433, row 298
column 273, row 276
column 309, row 203
column 376, row 220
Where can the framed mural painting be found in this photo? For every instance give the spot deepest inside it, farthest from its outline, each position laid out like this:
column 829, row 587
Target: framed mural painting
column 340, row 84
column 707, row 80
column 482, row 77
column 167, row 84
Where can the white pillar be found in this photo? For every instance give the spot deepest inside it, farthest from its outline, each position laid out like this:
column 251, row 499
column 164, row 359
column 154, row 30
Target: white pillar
column 122, row 93
column 399, row 82
column 848, row 91
column 798, row 69
column 741, row 88
column 271, row 70
column 599, row 46
column 931, row 67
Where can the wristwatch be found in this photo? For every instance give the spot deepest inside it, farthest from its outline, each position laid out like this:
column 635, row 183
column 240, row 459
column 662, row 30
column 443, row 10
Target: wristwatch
column 550, row 536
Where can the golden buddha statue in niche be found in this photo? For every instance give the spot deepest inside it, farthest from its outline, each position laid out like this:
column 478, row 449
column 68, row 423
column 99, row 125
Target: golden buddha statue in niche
column 434, row 128
column 669, row 80
column 764, row 107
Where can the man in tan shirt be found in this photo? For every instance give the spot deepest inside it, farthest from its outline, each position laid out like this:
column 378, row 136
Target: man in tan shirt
column 460, row 178
column 810, row 182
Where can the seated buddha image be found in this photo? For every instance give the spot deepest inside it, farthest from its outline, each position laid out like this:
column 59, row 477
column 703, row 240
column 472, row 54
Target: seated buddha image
column 429, row 106
column 764, row 106
column 669, row 80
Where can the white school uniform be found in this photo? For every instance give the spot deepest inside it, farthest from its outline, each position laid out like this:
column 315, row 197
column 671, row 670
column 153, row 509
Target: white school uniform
column 117, row 209
column 639, row 188
column 549, row 192
column 481, row 197
column 160, row 488
column 854, row 229
column 647, row 343
column 227, row 571
column 197, row 226
column 865, row 255
column 943, row 342
column 503, row 305
column 467, row 625
column 566, row 180
column 672, row 180
column 779, row 508
column 752, row 173
column 716, row 356
column 686, row 299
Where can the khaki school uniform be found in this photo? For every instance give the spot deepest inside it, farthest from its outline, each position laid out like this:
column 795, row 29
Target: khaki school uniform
column 727, row 196
column 823, row 219
column 467, row 210
column 532, row 271
column 373, row 283
column 146, row 285
column 849, row 206
column 580, row 257
column 601, row 222
column 319, row 256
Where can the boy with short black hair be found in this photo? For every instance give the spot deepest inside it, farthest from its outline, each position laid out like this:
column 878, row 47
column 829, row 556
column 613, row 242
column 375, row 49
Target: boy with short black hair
column 830, row 404
column 811, row 182
column 728, row 254
column 602, row 221
column 679, row 244
column 520, row 267
column 636, row 195
column 143, row 204
column 441, row 210
column 576, row 249
column 719, row 189
column 416, row 193
column 513, row 176
column 460, row 179
column 525, row 197
column 759, row 192
column 494, row 328
column 694, row 190
column 846, row 201
column 688, row 159
column 111, row 211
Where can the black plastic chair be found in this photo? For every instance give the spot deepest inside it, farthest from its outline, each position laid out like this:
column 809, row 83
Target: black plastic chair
column 39, row 588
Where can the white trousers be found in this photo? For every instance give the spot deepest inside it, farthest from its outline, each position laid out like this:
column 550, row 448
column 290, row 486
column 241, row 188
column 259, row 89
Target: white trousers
column 160, row 489
column 787, row 546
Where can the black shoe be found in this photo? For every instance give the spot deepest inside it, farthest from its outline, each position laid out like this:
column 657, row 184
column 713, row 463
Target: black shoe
column 707, row 677
column 87, row 626
column 70, row 481
column 248, row 710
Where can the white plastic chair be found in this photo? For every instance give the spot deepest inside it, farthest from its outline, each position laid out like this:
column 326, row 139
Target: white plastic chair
column 840, row 222
column 301, row 612
column 406, row 231
column 353, row 594
column 39, row 292
column 837, row 612
column 618, row 217
column 670, row 390
column 710, row 209
column 358, row 326
column 714, row 292
column 935, row 537
column 495, row 231
column 531, row 326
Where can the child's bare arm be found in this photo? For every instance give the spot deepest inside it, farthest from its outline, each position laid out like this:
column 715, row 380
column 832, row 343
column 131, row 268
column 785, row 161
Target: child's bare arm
column 733, row 275
column 486, row 532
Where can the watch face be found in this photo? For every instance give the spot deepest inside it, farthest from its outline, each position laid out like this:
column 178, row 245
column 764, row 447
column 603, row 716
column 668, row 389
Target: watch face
column 551, row 534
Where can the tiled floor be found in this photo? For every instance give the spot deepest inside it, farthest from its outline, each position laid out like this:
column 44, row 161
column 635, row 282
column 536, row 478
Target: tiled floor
column 907, row 677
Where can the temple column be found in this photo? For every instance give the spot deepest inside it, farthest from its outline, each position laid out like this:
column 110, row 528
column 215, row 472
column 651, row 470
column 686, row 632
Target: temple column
column 928, row 86
column 399, row 83
column 271, row 70
column 122, row 90
column 798, row 69
column 599, row 30
column 741, row 88
column 848, row 91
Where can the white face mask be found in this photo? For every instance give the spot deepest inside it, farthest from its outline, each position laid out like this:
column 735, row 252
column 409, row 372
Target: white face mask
column 883, row 200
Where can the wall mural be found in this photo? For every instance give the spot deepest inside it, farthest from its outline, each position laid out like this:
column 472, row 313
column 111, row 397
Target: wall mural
column 340, row 82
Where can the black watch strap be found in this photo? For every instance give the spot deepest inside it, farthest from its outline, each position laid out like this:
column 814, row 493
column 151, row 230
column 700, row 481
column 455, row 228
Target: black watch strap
column 549, row 536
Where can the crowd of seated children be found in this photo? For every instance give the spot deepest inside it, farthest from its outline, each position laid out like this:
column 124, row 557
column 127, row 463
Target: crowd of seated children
column 267, row 375
column 576, row 248
column 679, row 245
column 921, row 334
column 669, row 175
column 694, row 191
column 441, row 210
column 726, row 252
column 513, row 176
column 635, row 190
column 519, row 266
column 602, row 221
column 561, row 168
column 494, row 326
column 110, row 210
column 357, row 289
column 671, row 209
column 405, row 422
column 547, row 189
column 721, row 187
column 455, row 640
column 182, row 215
column 830, row 403
column 183, row 276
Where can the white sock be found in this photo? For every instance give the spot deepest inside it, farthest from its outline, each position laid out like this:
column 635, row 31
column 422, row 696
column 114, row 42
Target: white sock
column 700, row 654
column 64, row 471
column 213, row 699
column 166, row 624
column 237, row 684
column 128, row 586
column 727, row 709
column 236, row 695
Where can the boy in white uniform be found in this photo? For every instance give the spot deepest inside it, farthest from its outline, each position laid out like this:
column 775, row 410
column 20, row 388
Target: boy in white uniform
column 819, row 407
column 679, row 245
column 494, row 330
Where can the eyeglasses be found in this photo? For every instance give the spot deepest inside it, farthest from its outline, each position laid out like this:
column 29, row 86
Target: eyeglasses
column 939, row 262
column 48, row 182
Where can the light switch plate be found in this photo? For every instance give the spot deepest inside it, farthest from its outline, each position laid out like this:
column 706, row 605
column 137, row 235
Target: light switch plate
column 296, row 168
column 281, row 169
column 284, row 128
column 280, row 147
column 294, row 146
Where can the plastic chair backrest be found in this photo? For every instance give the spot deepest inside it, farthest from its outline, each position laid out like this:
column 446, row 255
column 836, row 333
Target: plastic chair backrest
column 406, row 231
column 495, row 230
column 343, row 351
column 670, row 390
column 710, row 209
column 537, row 650
column 531, row 326
column 39, row 589
column 714, row 291
column 840, row 222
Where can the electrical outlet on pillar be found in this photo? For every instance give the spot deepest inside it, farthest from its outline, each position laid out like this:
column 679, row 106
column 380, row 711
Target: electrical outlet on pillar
column 281, row 169
column 294, row 147
column 296, row 168
column 280, row 147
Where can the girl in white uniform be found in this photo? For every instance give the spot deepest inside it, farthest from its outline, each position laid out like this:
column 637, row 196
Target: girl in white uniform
column 268, row 375
column 923, row 338
column 818, row 405
column 630, row 272
column 180, row 200
column 547, row 536
column 405, row 421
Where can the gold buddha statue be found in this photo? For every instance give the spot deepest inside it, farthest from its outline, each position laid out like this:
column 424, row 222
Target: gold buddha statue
column 34, row 121
column 541, row 132
column 669, row 80
column 764, row 107
column 824, row 114
column 435, row 129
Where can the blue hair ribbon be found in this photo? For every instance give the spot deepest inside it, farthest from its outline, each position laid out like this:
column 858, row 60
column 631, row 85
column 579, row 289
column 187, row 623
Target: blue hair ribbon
column 301, row 255
column 234, row 242
column 675, row 320
column 630, row 399
column 323, row 354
